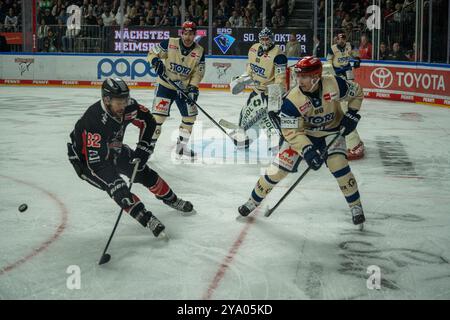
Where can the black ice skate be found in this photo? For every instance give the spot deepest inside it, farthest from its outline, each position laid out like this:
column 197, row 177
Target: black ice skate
column 357, row 215
column 155, row 225
column 179, row 204
column 247, row 208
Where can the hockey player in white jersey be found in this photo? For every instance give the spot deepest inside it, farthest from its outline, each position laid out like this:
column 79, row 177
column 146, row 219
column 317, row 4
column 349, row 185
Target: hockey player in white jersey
column 183, row 61
column 310, row 117
column 266, row 73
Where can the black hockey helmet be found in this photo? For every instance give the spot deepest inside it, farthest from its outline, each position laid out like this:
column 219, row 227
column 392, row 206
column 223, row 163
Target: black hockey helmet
column 115, row 88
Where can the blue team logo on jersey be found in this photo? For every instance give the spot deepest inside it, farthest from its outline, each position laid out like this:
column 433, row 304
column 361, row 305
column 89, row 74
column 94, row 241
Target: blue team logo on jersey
column 224, row 42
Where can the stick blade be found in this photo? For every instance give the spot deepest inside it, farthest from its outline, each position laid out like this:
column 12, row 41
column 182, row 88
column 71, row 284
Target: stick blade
column 268, row 212
column 104, row 259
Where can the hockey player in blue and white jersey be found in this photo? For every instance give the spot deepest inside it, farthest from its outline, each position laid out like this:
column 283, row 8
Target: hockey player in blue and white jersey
column 311, row 116
column 266, row 73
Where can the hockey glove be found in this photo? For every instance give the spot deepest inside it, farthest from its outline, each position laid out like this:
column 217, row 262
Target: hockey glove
column 159, row 67
column 356, row 62
column 143, row 152
column 192, row 92
column 312, row 157
column 350, row 121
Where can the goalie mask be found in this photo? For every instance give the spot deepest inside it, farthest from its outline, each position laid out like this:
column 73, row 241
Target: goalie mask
column 266, row 39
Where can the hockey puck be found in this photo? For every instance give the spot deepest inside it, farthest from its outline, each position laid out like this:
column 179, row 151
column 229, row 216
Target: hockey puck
column 23, row 207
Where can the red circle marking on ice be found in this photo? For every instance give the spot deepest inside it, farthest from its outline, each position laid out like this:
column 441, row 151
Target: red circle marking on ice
column 53, row 238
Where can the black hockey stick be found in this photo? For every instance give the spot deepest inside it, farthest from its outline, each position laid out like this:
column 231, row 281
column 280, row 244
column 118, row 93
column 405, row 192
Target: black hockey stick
column 106, row 256
column 186, row 96
column 269, row 211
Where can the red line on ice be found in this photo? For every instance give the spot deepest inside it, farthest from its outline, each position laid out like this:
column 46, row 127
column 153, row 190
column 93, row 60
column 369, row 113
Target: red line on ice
column 229, row 258
column 53, row 238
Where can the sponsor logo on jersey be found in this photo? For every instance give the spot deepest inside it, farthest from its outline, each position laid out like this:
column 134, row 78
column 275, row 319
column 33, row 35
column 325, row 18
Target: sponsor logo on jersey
column 178, row 68
column 104, row 118
column 93, row 156
column 224, row 42
column 304, row 108
column 289, row 123
column 138, row 68
column 319, row 120
column 343, row 60
column 260, row 71
column 329, row 96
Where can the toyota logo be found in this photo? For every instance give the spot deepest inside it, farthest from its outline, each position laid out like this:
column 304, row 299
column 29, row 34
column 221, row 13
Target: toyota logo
column 381, row 77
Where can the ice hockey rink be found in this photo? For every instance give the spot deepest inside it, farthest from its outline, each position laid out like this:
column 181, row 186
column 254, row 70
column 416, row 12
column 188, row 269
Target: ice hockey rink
column 308, row 248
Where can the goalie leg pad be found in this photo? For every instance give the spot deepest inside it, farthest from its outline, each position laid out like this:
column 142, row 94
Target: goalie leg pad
column 253, row 112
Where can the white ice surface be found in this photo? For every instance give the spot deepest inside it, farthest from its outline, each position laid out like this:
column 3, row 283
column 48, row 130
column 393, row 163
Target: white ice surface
column 308, row 248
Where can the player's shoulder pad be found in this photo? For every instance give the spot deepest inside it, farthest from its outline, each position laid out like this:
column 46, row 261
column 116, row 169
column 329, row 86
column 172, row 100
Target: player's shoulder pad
column 288, row 108
column 254, row 48
column 95, row 115
column 289, row 115
column 343, row 86
column 280, row 59
column 164, row 44
column 202, row 59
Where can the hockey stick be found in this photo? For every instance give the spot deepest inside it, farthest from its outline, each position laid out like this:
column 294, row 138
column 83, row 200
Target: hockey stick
column 269, row 211
column 105, row 256
column 186, row 96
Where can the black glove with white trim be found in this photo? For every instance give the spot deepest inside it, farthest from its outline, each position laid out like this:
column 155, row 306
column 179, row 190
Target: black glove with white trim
column 350, row 121
column 143, row 152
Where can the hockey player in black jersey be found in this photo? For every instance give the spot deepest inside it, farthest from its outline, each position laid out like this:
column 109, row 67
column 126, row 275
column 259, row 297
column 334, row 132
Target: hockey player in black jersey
column 99, row 157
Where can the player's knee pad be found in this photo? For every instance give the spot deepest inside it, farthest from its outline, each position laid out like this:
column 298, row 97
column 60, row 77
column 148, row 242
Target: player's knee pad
column 338, row 147
column 187, row 123
column 336, row 162
column 159, row 121
column 147, row 177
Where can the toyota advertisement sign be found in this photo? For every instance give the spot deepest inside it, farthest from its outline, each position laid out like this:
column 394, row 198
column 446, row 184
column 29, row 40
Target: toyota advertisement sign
column 405, row 82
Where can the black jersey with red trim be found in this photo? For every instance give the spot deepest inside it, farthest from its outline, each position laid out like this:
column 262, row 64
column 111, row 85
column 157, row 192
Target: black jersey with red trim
column 98, row 136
